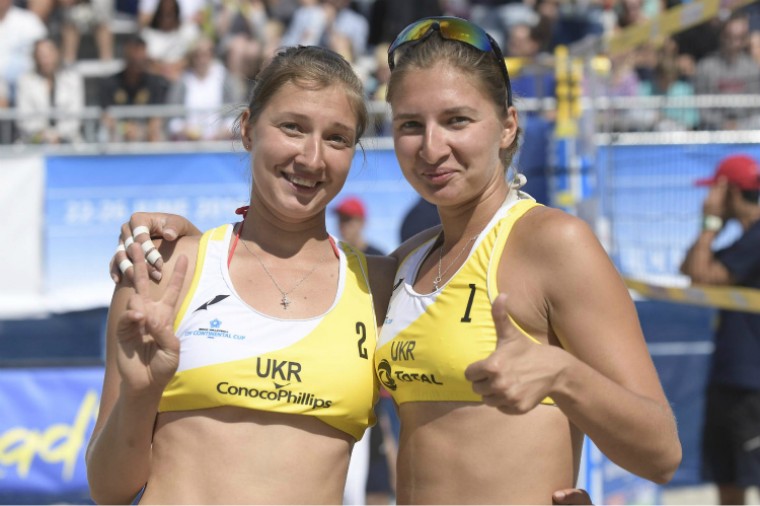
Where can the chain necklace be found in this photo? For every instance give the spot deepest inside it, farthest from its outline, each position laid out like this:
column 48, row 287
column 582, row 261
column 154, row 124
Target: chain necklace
column 285, row 300
column 439, row 277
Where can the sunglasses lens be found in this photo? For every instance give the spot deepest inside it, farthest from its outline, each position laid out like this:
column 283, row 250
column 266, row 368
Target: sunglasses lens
column 451, row 29
column 411, row 33
column 454, row 29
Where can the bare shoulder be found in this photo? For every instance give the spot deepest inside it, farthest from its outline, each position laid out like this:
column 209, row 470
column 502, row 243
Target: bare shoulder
column 550, row 232
column 415, row 241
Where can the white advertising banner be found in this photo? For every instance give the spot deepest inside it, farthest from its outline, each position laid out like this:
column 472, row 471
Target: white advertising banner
column 22, row 185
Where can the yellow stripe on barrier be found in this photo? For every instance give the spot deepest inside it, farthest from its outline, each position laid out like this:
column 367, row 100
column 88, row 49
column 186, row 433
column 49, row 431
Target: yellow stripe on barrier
column 724, row 297
column 669, row 22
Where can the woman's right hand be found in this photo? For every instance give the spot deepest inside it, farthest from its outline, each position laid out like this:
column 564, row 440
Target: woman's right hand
column 148, row 353
column 167, row 226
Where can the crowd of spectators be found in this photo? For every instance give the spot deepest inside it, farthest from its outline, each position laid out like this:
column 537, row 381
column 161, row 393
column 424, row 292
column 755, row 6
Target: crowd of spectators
column 201, row 55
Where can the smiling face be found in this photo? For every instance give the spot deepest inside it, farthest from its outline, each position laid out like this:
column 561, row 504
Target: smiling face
column 449, row 136
column 302, row 144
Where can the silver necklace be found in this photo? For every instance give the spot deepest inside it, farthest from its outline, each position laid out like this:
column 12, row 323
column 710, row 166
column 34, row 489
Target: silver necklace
column 439, row 277
column 285, row 300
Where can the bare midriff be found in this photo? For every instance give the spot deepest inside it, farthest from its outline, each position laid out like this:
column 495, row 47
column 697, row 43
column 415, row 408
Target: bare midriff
column 469, row 453
column 240, row 456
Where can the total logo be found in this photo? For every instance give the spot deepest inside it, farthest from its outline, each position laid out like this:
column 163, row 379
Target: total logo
column 214, row 331
column 389, row 377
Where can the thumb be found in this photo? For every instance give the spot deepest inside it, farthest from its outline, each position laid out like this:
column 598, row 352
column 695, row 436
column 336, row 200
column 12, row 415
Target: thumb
column 571, row 496
column 505, row 326
column 175, row 226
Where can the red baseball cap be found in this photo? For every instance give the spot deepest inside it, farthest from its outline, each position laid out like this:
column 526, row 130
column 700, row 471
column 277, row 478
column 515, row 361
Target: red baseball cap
column 740, row 170
column 351, row 206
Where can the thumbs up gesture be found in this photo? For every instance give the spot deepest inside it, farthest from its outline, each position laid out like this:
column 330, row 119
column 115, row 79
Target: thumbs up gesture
column 519, row 373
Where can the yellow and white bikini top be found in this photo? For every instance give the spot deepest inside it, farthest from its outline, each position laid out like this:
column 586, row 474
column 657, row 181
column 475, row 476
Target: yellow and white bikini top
column 232, row 355
column 428, row 340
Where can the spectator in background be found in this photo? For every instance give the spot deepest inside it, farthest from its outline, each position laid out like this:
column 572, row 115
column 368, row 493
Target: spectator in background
column 168, row 40
column 389, row 17
column 19, row 30
column 352, row 218
column 307, row 26
column 498, row 17
column 246, row 34
column 376, row 85
column 85, row 16
column 697, row 42
column 631, row 13
column 568, row 22
column 346, row 30
column 531, row 77
column 192, row 11
column 5, row 92
column 50, row 88
column 731, row 70
column 421, row 216
column 242, row 60
column 6, row 127
column 731, row 434
column 134, row 86
column 203, row 90
column 665, row 83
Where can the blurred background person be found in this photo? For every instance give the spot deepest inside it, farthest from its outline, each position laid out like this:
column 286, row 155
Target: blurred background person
column 421, row 216
column 5, row 101
column 192, row 11
column 84, row 17
column 346, row 31
column 352, row 218
column 168, row 40
column 19, row 30
column 730, row 70
column 203, row 89
column 665, row 82
column 731, row 433
column 307, row 25
column 47, row 89
column 498, row 17
column 134, row 85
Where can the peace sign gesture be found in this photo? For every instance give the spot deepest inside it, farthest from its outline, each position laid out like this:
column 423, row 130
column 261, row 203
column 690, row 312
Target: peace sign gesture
column 148, row 351
column 519, row 373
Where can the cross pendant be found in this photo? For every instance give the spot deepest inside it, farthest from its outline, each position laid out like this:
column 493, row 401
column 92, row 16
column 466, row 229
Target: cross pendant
column 285, row 302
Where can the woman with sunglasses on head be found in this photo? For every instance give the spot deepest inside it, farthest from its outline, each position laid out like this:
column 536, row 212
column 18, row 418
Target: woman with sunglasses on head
column 498, row 354
column 509, row 334
column 221, row 383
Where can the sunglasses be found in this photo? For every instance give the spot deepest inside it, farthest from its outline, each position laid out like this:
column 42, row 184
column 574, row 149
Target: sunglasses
column 451, row 28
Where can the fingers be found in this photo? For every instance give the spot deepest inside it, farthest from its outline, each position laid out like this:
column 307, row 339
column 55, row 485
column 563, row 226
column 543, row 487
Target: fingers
column 142, row 235
column 172, row 293
column 140, row 270
column 131, row 324
column 485, row 369
column 571, row 496
column 120, row 266
column 161, row 225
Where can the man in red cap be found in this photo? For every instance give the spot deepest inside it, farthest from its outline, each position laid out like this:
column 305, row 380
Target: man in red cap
column 352, row 217
column 731, row 434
